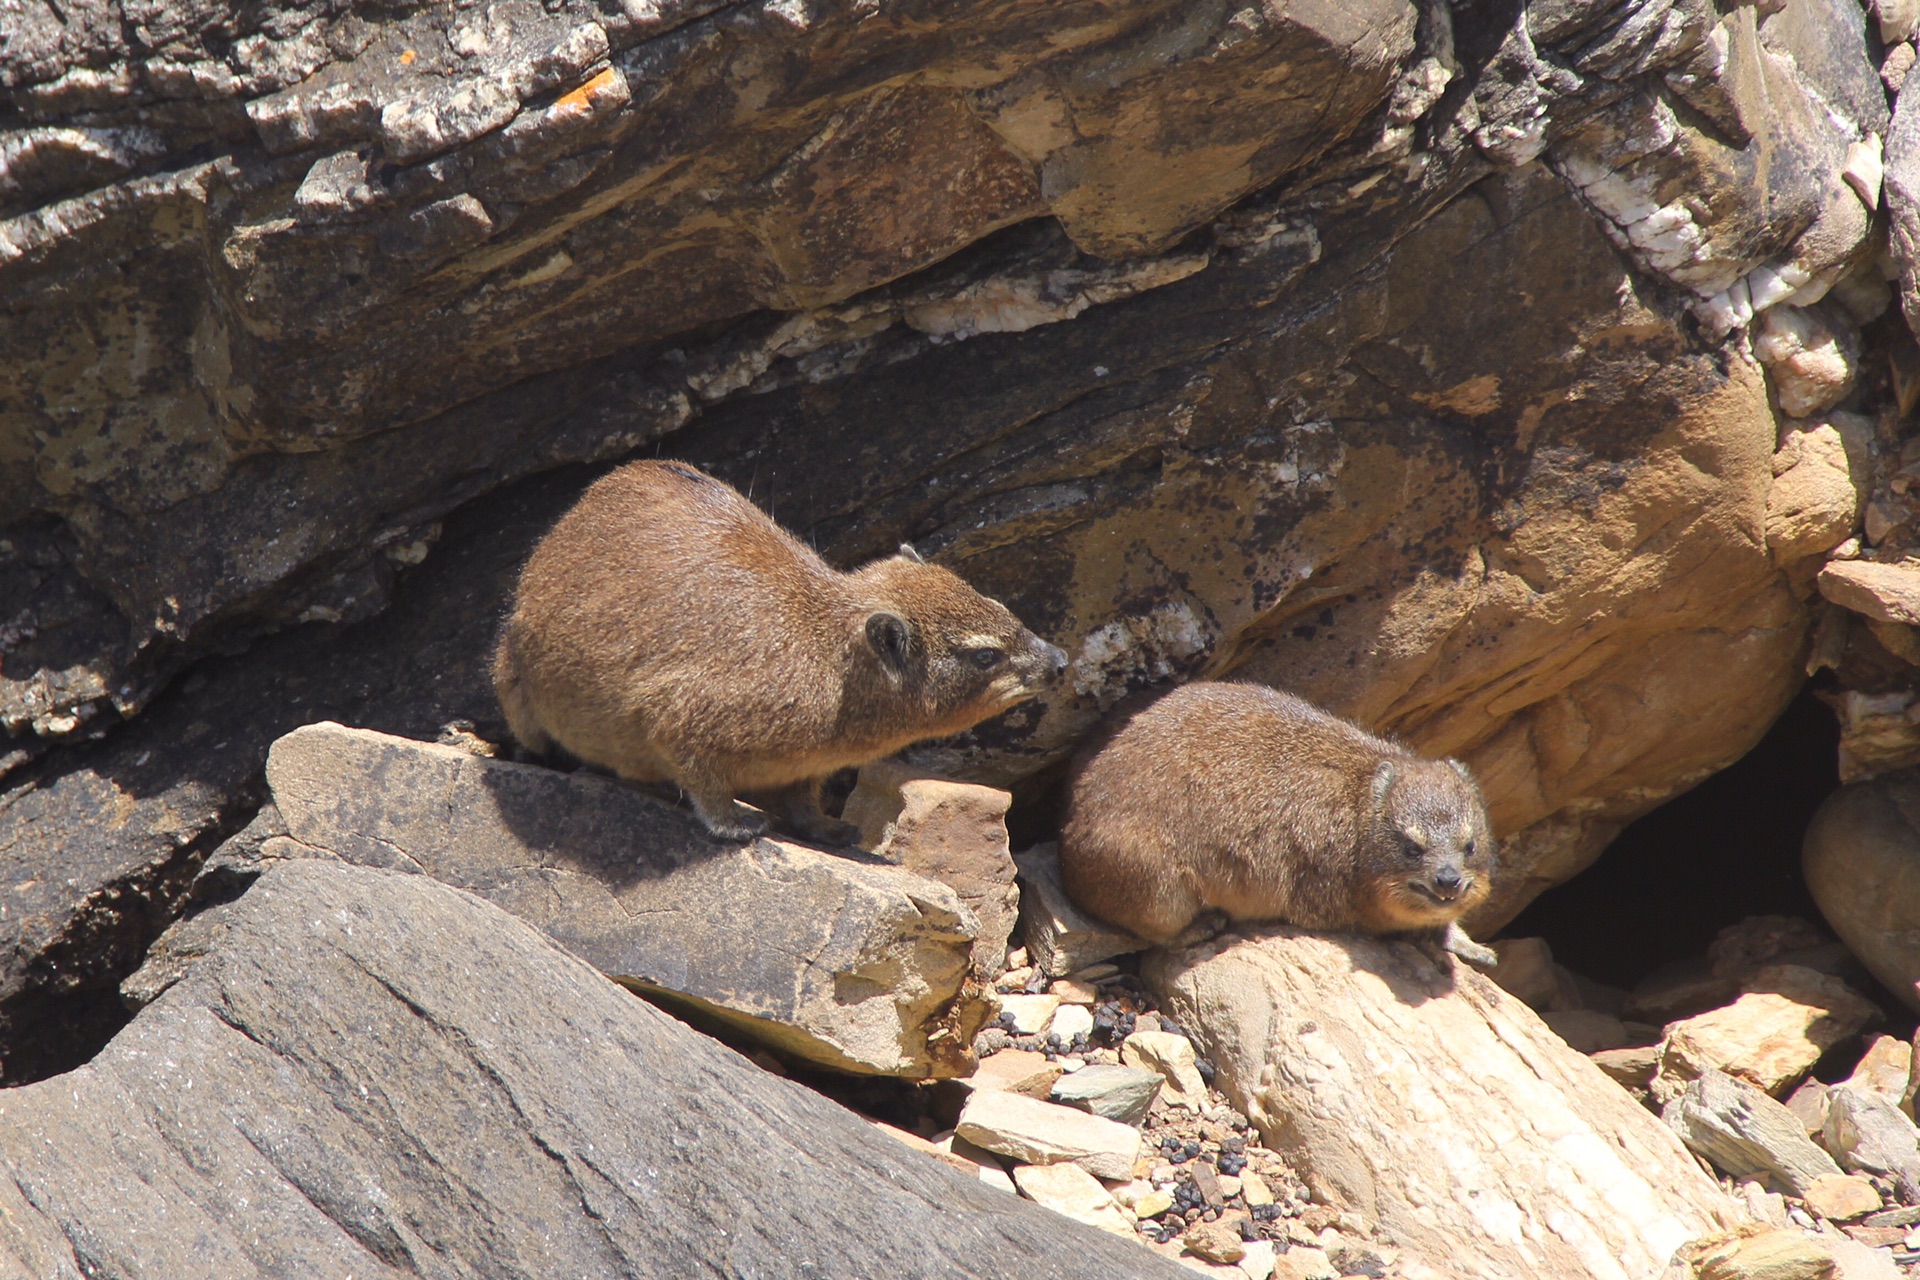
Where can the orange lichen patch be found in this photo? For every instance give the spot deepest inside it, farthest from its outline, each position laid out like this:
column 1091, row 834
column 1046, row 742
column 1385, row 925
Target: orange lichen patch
column 581, row 99
column 407, row 56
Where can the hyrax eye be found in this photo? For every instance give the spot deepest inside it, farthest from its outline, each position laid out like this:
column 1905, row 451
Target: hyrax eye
column 1412, row 848
column 986, row 658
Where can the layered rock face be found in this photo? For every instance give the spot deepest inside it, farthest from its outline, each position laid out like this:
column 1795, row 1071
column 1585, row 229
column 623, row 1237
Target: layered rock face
column 1448, row 364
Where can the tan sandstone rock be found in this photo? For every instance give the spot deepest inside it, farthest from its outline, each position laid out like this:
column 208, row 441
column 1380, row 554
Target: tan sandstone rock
column 1820, row 487
column 1771, row 1036
column 953, row 832
column 1070, row 1190
column 1861, row 857
column 1036, row 1132
column 1429, row 1101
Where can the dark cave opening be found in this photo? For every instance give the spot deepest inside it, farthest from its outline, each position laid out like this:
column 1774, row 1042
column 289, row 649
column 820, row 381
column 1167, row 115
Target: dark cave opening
column 1726, row 850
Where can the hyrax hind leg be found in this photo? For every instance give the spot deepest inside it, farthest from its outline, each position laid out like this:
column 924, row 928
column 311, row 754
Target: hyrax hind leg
column 507, row 686
column 720, row 813
column 801, row 804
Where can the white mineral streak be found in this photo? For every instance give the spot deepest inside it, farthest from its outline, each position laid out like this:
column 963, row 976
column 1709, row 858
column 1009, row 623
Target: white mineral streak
column 1441, row 1108
column 1140, row 649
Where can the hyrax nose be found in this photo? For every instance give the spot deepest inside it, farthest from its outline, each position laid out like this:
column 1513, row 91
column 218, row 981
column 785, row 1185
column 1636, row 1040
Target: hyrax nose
column 1446, row 883
column 1056, row 659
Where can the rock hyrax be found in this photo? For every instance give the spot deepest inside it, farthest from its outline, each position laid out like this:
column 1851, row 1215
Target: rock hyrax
column 1240, row 799
column 668, row 630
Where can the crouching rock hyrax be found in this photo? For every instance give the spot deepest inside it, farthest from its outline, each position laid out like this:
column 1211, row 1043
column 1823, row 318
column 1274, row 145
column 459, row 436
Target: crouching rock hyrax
column 1243, row 800
column 668, row 630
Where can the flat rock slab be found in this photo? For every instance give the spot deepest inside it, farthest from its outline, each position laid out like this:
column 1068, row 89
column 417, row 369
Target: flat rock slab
column 363, row 1073
column 850, row 964
column 1435, row 1104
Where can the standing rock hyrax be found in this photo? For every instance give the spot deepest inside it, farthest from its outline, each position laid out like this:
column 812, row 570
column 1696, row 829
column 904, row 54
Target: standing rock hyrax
column 668, row 630
column 1243, row 800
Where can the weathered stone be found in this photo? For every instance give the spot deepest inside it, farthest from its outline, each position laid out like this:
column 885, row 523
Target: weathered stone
column 1587, row 1030
column 1762, row 1255
column 1259, row 1260
column 1770, row 1037
column 1172, row 1058
column 1885, row 1070
column 360, row 1072
column 1215, row 1241
column 1143, row 1199
column 1809, row 1106
column 1868, row 1134
column 1015, row 1070
column 1679, row 990
column 1074, row 1193
column 1059, row 936
column 1526, row 969
column 1069, row 1021
column 1036, row 1132
column 1841, row 1197
column 1743, row 1132
column 1337, row 1048
column 1118, row 1093
column 636, row 888
column 953, row 832
column 1631, row 1068
column 1861, row 858
column 1073, row 992
column 1820, row 488
column 1029, row 1014
column 1880, row 592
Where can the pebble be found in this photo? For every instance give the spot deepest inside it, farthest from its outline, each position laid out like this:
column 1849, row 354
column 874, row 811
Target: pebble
column 1074, row 1193
column 1254, row 1189
column 1030, row 1013
column 1069, row 1020
column 1096, row 973
column 1173, row 1057
column 1259, row 1260
column 1216, row 1242
column 1074, row 992
column 1842, row 1197
column 1142, row 1198
column 1036, row 1132
column 1015, row 1070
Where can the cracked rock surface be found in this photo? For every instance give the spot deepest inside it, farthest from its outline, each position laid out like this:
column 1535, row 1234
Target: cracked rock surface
column 351, row 1071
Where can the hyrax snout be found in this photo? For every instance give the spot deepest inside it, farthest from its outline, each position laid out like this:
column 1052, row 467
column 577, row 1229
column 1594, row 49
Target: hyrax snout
column 1250, row 802
column 668, row 630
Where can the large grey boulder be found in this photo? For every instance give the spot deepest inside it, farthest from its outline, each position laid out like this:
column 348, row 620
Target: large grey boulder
column 841, row 961
column 351, row 1071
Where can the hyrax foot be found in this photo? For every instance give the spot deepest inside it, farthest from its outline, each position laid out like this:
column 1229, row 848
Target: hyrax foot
column 828, row 831
column 727, row 818
column 1453, row 938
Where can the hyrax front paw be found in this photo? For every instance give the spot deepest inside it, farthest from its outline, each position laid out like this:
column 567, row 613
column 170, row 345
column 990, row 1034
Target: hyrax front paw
column 1453, row 938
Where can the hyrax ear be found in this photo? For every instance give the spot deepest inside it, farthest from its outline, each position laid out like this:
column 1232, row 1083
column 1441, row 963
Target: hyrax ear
column 1461, row 769
column 908, row 553
column 1382, row 779
column 890, row 636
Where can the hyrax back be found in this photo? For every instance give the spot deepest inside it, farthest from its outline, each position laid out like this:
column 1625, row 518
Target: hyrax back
column 1244, row 800
column 668, row 630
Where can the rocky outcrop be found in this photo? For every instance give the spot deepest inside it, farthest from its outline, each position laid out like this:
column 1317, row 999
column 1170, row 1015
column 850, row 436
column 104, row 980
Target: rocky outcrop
column 1419, row 1095
column 1263, row 382
column 856, row 966
column 355, row 1071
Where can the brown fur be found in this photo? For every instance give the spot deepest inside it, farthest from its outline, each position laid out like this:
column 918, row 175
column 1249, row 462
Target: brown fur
column 1243, row 800
column 668, row 630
